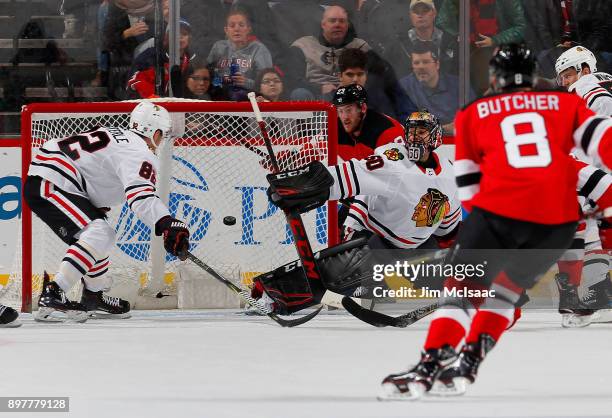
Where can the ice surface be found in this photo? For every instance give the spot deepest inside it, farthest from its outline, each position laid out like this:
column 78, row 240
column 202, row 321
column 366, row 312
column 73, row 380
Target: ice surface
column 216, row 364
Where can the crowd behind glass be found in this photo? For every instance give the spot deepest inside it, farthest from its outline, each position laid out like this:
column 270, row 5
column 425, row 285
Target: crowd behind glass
column 404, row 52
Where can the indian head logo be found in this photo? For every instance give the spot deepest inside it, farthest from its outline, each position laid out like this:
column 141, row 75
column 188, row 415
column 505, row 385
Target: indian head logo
column 431, row 209
column 393, row 154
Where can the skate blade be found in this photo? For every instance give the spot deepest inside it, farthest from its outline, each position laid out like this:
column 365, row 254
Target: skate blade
column 389, row 392
column 106, row 315
column 603, row 316
column 442, row 390
column 53, row 315
column 575, row 321
column 15, row 324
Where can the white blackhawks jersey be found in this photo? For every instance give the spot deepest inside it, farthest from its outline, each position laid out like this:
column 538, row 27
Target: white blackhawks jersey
column 596, row 90
column 397, row 199
column 108, row 166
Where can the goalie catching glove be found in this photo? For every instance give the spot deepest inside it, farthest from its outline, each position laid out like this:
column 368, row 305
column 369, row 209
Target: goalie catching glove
column 175, row 234
column 302, row 189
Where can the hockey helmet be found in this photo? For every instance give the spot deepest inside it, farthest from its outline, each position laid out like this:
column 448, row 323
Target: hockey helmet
column 512, row 66
column 574, row 58
column 353, row 93
column 147, row 118
column 418, row 144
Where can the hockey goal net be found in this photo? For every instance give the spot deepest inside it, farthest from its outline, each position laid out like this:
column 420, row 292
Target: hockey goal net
column 213, row 171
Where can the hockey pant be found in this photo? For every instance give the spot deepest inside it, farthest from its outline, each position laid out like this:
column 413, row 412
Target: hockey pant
column 526, row 251
column 346, row 269
column 81, row 225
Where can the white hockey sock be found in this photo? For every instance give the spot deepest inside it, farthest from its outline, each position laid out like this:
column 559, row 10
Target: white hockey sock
column 77, row 261
column 95, row 279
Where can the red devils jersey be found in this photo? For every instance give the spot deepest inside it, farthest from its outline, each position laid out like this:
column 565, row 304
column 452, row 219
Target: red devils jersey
column 377, row 130
column 512, row 154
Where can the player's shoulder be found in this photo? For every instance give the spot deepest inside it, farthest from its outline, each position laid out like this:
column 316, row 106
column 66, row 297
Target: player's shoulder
column 393, row 153
column 600, row 76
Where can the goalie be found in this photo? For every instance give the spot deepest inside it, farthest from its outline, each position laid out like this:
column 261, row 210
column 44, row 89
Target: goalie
column 405, row 194
column 73, row 182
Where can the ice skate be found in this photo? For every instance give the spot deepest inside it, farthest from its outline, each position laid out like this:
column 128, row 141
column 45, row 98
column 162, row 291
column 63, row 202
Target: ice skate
column 9, row 318
column 54, row 306
column 574, row 313
column 102, row 306
column 414, row 383
column 599, row 297
column 454, row 380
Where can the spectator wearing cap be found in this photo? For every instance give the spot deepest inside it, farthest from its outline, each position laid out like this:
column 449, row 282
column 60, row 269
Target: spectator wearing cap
column 422, row 16
column 239, row 48
column 384, row 93
column 431, row 90
column 313, row 60
column 142, row 81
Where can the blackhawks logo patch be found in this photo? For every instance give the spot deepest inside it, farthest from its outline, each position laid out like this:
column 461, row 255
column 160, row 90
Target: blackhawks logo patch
column 431, row 209
column 394, row 154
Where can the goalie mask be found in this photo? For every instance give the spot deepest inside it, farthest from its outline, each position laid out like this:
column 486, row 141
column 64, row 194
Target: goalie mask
column 423, row 133
column 147, row 118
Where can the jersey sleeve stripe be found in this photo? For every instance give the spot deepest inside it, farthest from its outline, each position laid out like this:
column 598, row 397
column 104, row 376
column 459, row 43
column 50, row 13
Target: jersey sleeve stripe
column 602, row 94
column 147, row 189
column 355, row 178
column 588, row 178
column 468, row 192
column 359, row 221
column 136, row 186
column 146, row 196
column 339, row 176
column 347, row 178
column 360, row 203
column 584, row 134
column 465, row 166
column 59, row 161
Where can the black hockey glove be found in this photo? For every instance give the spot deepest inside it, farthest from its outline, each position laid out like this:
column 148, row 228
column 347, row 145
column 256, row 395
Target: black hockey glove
column 301, row 189
column 176, row 236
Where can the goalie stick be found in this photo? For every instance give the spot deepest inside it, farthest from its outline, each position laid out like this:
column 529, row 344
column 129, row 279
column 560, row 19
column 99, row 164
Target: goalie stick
column 298, row 231
column 246, row 296
column 380, row 320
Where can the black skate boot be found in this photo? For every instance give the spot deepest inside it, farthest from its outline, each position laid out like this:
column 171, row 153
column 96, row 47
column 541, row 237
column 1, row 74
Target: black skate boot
column 453, row 380
column 599, row 298
column 574, row 313
column 53, row 300
column 100, row 306
column 9, row 318
column 412, row 384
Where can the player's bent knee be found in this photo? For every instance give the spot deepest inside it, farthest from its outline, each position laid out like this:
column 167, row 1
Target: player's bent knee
column 99, row 236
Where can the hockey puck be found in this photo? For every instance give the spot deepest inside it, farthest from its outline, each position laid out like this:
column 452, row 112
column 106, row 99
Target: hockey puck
column 229, row 220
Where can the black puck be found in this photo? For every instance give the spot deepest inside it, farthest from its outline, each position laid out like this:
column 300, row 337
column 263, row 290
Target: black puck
column 229, row 220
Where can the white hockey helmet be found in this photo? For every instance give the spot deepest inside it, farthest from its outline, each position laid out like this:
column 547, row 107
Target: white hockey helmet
column 574, row 58
column 147, row 118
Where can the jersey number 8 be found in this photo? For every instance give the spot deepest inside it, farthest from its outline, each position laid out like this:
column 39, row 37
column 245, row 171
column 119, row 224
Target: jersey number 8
column 538, row 137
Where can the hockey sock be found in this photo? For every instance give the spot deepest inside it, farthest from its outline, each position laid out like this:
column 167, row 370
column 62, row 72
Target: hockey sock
column 77, row 261
column 596, row 267
column 492, row 322
column 446, row 329
column 94, row 279
column 573, row 268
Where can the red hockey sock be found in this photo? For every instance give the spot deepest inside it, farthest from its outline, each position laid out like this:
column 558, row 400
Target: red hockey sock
column 573, row 268
column 444, row 331
column 487, row 322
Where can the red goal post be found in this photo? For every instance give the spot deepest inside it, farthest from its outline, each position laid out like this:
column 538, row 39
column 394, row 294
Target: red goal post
column 207, row 174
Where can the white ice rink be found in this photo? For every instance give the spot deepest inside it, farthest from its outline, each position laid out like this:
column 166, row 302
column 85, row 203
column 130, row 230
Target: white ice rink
column 216, row 364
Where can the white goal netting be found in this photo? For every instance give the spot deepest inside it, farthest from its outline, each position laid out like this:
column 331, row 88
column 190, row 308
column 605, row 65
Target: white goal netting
column 216, row 169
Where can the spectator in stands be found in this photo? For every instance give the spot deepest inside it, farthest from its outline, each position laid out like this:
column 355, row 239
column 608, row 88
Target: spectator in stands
column 247, row 55
column 197, row 81
column 269, row 85
column 429, row 89
column 385, row 95
column 492, row 22
column 143, row 79
column 313, row 61
column 422, row 16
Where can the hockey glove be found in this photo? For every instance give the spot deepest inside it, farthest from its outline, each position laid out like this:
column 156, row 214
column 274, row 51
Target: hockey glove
column 176, row 236
column 302, row 189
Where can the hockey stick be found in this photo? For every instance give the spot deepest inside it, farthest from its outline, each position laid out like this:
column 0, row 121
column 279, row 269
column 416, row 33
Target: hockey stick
column 379, row 319
column 304, row 249
column 287, row 323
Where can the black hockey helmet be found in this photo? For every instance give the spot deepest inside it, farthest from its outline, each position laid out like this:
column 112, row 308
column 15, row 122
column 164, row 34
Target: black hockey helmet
column 353, row 93
column 513, row 65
